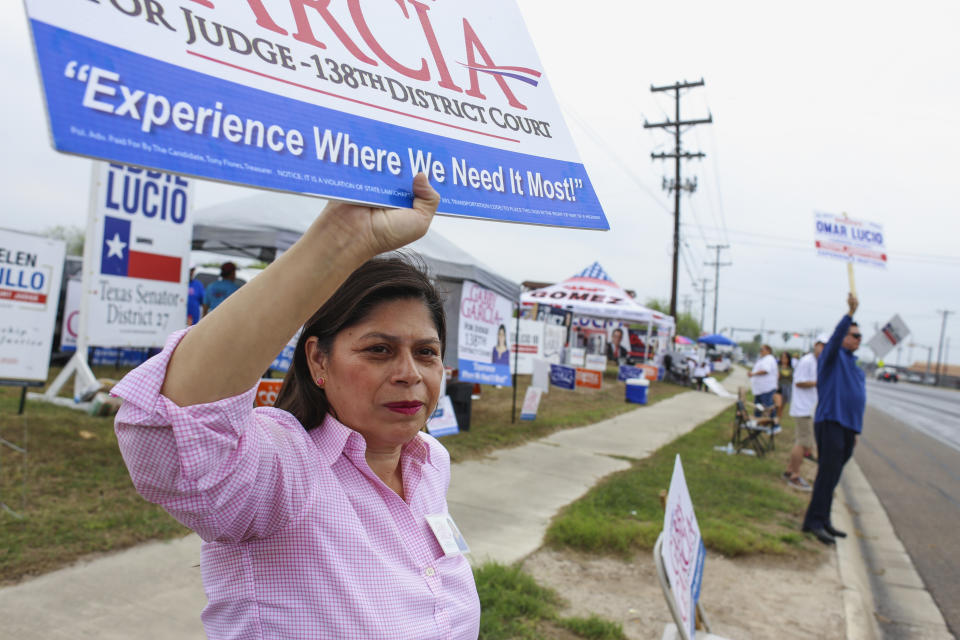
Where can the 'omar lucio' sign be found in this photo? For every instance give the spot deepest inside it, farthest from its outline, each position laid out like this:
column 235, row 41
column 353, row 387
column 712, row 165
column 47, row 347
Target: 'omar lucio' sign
column 342, row 98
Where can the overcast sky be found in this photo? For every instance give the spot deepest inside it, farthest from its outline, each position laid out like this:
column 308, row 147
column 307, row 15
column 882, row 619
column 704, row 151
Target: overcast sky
column 839, row 107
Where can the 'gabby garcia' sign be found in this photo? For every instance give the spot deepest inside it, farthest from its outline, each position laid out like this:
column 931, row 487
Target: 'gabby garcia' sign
column 342, row 99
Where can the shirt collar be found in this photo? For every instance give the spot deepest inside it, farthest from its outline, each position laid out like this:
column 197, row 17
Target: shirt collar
column 332, row 437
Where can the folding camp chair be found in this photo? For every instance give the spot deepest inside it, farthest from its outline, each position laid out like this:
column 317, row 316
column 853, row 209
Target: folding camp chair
column 677, row 630
column 755, row 434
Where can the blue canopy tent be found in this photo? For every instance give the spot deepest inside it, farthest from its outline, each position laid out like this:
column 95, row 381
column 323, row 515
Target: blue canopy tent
column 717, row 339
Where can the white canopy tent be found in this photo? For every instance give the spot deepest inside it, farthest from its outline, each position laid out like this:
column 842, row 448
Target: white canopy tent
column 593, row 293
column 265, row 225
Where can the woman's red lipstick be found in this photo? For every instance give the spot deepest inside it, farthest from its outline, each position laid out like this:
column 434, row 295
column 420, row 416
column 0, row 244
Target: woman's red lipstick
column 406, row 408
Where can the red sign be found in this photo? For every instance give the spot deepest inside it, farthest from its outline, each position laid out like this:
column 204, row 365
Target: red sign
column 589, row 379
column 267, row 392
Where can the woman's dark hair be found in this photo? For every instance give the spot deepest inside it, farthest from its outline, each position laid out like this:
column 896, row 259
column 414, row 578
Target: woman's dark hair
column 382, row 279
column 787, row 355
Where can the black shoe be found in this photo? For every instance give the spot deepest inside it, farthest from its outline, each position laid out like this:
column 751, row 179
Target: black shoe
column 836, row 533
column 821, row 534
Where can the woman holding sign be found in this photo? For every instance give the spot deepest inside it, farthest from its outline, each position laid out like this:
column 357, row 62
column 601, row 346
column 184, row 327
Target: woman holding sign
column 324, row 516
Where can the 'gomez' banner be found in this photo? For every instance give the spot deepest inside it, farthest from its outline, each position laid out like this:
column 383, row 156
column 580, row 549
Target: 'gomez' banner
column 139, row 241
column 338, row 98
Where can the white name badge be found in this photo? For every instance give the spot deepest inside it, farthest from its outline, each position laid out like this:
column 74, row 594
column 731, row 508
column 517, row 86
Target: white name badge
column 448, row 535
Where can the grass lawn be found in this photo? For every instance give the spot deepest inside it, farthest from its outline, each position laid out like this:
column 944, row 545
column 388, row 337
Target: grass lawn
column 515, row 607
column 743, row 506
column 79, row 499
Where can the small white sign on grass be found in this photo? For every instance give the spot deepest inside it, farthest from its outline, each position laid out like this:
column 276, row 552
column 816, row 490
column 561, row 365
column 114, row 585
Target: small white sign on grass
column 683, row 551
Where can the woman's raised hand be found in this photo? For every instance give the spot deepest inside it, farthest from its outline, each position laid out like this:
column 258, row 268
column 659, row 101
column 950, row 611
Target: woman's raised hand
column 374, row 230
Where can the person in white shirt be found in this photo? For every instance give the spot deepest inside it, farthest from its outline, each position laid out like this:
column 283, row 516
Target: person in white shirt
column 763, row 379
column 801, row 409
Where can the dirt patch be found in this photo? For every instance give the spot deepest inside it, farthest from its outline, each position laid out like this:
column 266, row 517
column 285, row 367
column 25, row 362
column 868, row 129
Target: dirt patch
column 744, row 599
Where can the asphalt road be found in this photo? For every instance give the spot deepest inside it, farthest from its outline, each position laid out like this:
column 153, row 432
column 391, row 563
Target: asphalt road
column 910, row 453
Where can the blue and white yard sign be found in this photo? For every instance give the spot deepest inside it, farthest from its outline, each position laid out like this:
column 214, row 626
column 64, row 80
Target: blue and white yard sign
column 341, row 99
column 850, row 240
column 136, row 256
column 484, row 344
column 30, row 271
column 683, row 550
column 563, row 376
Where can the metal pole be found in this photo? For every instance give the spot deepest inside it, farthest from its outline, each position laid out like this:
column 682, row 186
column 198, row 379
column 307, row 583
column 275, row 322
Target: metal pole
column 943, row 328
column 516, row 366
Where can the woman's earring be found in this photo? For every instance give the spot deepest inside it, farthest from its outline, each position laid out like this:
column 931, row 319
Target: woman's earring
column 320, row 381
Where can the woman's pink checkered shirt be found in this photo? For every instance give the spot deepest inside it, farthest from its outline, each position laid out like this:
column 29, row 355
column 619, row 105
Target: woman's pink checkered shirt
column 301, row 539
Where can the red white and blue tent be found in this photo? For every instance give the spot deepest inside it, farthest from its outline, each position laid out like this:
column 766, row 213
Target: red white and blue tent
column 592, row 292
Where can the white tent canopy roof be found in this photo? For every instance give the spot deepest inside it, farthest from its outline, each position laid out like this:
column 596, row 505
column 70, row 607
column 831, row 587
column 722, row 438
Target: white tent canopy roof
column 592, row 293
column 267, row 224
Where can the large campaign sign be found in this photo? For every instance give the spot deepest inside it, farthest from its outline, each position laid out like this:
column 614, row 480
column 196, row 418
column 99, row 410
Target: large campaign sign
column 30, row 271
column 138, row 238
column 342, row 99
column 850, row 240
column 484, row 341
column 683, row 551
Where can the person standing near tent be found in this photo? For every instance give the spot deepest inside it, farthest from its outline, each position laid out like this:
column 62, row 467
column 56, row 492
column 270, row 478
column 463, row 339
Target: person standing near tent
column 220, row 290
column 842, row 398
column 324, row 516
column 763, row 379
column 194, row 298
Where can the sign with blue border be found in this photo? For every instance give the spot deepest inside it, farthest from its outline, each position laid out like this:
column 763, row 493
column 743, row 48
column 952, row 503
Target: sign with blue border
column 563, row 377
column 317, row 101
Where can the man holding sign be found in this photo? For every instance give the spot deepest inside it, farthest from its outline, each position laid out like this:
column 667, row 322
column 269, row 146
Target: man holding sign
column 842, row 395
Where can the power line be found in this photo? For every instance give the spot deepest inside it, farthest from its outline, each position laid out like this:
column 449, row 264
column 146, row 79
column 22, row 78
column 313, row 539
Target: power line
column 676, row 185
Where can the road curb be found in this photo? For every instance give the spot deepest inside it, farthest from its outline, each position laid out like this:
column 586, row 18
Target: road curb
column 874, row 566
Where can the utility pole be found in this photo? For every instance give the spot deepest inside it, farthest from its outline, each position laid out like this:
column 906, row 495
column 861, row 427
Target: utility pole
column 676, row 185
column 716, row 282
column 702, row 290
column 687, row 302
column 943, row 327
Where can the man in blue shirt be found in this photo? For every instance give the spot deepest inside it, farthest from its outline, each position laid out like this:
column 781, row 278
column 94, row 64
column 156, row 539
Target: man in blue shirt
column 194, row 299
column 218, row 291
column 842, row 397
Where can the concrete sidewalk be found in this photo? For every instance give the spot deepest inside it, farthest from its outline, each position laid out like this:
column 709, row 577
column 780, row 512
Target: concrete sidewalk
column 502, row 504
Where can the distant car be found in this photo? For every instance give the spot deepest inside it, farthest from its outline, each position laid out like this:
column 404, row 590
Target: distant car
column 886, row 374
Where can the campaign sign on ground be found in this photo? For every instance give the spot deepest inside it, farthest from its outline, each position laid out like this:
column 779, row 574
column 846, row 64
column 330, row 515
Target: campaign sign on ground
column 683, row 551
column 443, row 421
column 529, row 345
column 626, row 372
column 267, row 391
column 889, row 336
column 563, row 377
column 346, row 100
column 30, row 271
column 531, row 403
column 589, row 379
column 483, row 348
column 284, row 359
column 850, row 240
column 137, row 252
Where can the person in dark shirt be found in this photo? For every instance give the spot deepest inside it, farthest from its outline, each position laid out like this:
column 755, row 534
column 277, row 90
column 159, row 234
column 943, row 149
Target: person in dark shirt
column 842, row 398
column 194, row 299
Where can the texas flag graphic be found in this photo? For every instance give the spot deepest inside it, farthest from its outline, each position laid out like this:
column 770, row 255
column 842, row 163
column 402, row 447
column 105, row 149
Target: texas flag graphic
column 118, row 257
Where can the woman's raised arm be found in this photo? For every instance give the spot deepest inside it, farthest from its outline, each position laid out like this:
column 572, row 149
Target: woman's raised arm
column 226, row 353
